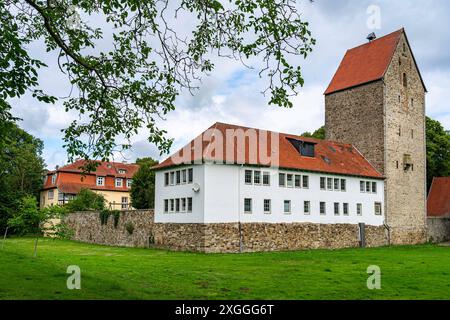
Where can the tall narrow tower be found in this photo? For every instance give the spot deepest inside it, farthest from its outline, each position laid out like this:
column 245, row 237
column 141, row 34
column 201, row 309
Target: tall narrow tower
column 376, row 101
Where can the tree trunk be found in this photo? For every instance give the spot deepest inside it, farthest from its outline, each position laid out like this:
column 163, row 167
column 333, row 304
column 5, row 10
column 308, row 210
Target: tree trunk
column 35, row 246
column 4, row 237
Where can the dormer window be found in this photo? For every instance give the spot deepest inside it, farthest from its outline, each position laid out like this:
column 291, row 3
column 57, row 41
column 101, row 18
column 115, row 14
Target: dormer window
column 100, row 181
column 54, row 178
column 122, row 171
column 119, row 182
column 304, row 148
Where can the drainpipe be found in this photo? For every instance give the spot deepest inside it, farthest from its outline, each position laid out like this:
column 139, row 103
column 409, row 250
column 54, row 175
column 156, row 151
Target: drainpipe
column 241, row 245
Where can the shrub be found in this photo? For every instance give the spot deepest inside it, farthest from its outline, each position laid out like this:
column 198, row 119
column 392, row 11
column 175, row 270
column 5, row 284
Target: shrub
column 62, row 231
column 28, row 219
column 104, row 215
column 129, row 227
column 56, row 211
column 87, row 200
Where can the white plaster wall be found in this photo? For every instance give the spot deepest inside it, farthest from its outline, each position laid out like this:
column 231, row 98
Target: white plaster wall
column 180, row 191
column 223, row 189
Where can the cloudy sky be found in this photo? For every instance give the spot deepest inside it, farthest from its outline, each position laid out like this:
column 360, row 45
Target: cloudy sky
column 232, row 93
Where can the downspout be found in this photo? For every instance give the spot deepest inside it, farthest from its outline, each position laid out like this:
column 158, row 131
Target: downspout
column 241, row 245
column 385, row 224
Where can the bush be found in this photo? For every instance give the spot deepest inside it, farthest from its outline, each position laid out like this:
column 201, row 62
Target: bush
column 104, row 215
column 28, row 219
column 63, row 231
column 129, row 227
column 87, row 200
column 56, row 211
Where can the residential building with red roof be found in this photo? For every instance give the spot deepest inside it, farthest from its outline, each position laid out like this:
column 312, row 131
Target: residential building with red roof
column 438, row 202
column 234, row 188
column 111, row 179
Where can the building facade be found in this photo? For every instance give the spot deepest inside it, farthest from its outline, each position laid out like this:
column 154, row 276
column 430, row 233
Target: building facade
column 321, row 194
column 376, row 101
column 111, row 179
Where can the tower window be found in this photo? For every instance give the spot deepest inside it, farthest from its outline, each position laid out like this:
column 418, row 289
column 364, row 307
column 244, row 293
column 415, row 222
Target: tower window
column 405, row 80
column 399, row 61
column 404, row 47
column 412, row 103
column 412, row 134
column 399, row 131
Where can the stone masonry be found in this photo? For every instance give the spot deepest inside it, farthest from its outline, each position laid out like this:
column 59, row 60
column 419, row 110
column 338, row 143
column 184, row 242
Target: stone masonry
column 217, row 238
column 385, row 120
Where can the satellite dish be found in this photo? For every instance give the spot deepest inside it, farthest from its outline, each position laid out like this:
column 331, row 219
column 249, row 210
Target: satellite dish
column 196, row 187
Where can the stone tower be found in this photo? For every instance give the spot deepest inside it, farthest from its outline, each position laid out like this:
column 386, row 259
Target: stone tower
column 376, row 101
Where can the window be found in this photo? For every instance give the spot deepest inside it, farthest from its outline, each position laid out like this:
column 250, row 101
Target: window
column 336, row 184
column 248, row 205
column 322, row 183
column 359, row 209
column 183, row 204
column 166, row 179
column 267, row 206
column 172, row 205
column 367, row 186
column 396, row 163
column 374, row 187
column 129, row 183
column 172, row 178
column 177, row 205
column 306, row 207
column 361, row 186
column 336, row 209
column 51, row 194
column 329, row 183
column 412, row 103
column 345, row 209
column 281, row 179
column 266, row 178
column 323, row 208
column 257, row 177
column 248, row 176
column 190, row 175
column 189, row 204
column 183, row 176
column 378, row 208
column 124, row 202
column 166, row 205
column 289, row 180
column 178, row 174
column 298, row 179
column 287, row 206
column 100, row 181
column 54, row 178
column 412, row 134
column 306, row 182
column 405, row 80
column 343, row 185
column 122, row 171
column 119, row 182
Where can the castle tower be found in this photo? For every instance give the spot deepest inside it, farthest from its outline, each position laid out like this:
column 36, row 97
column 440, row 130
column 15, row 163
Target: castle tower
column 376, row 101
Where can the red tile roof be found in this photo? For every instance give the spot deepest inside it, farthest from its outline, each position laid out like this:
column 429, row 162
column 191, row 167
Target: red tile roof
column 438, row 203
column 70, row 178
column 330, row 157
column 366, row 63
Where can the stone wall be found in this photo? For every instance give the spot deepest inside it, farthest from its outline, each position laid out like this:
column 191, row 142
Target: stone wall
column 87, row 227
column 217, row 237
column 438, row 229
column 257, row 237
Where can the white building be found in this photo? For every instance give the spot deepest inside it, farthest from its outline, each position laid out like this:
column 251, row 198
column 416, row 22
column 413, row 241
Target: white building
column 311, row 181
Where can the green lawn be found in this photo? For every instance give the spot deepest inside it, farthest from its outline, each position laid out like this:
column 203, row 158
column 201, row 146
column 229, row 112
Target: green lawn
column 415, row 272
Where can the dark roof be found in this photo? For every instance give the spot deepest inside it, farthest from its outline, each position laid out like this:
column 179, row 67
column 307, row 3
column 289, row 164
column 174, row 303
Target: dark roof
column 330, row 157
column 438, row 203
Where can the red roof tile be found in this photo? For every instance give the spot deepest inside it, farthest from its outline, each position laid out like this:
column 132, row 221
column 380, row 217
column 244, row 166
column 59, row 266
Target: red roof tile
column 330, row 157
column 438, row 203
column 70, row 178
column 365, row 63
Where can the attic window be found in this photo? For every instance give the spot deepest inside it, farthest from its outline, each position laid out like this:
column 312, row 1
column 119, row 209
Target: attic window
column 304, row 148
column 122, row 171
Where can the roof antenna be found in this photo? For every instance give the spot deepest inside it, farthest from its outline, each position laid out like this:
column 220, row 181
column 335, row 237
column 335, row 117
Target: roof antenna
column 371, row 37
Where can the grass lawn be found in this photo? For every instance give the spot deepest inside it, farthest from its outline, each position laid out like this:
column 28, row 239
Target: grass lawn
column 411, row 272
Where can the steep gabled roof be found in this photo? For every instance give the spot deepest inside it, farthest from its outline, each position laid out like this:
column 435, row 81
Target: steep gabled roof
column 438, row 202
column 330, row 157
column 366, row 63
column 104, row 168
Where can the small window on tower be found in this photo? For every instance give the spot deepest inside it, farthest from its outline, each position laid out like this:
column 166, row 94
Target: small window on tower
column 399, row 131
column 404, row 47
column 405, row 80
